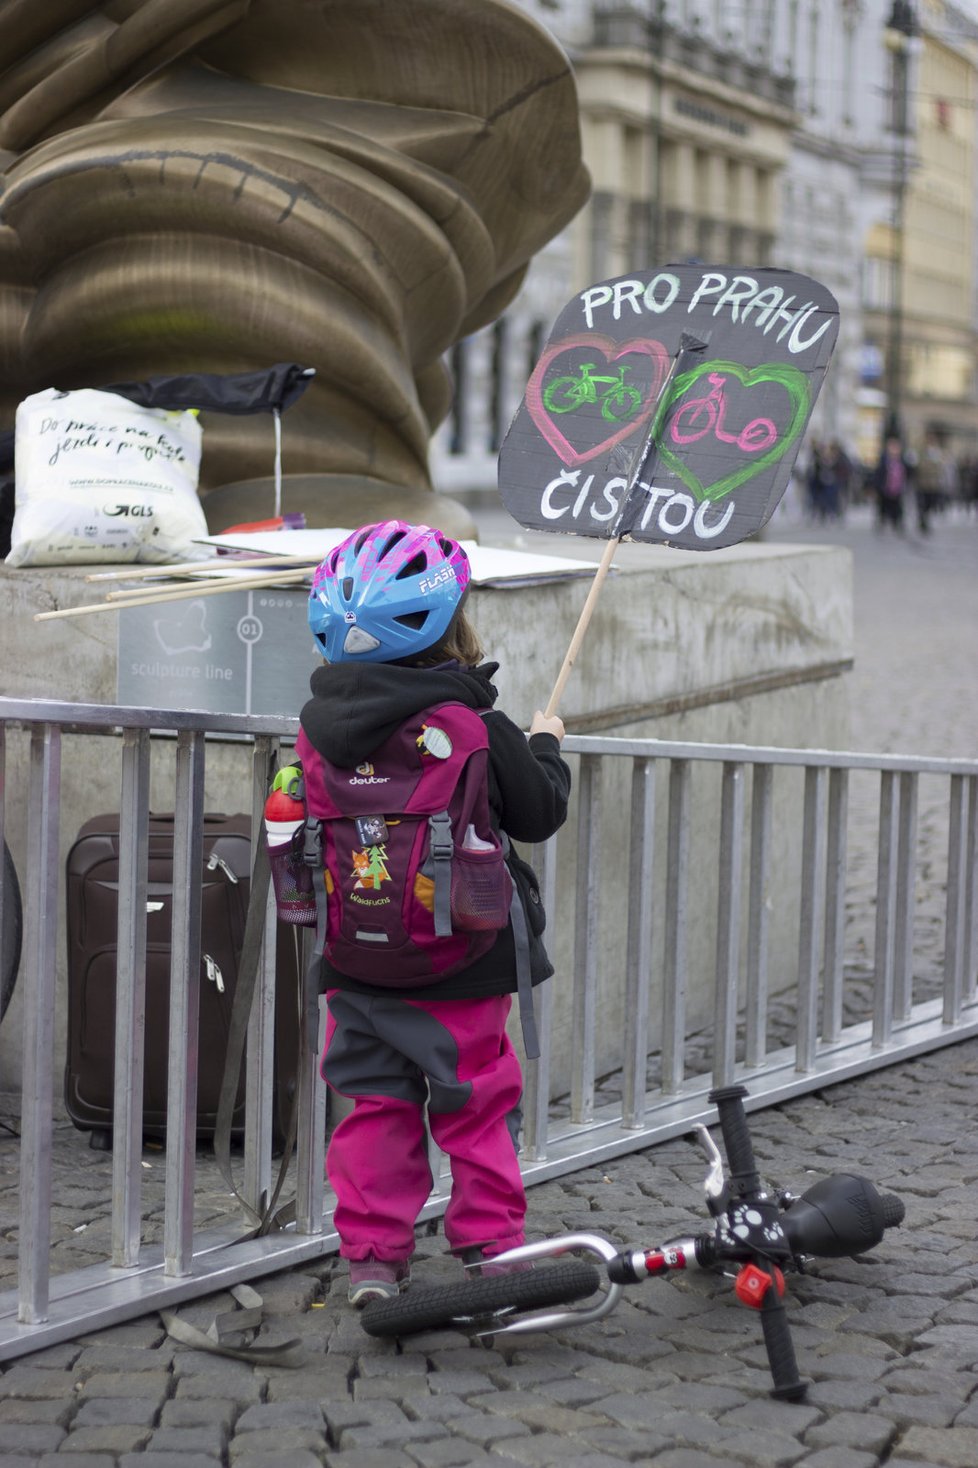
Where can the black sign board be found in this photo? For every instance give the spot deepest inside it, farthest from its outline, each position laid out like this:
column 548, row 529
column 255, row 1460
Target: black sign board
column 668, row 406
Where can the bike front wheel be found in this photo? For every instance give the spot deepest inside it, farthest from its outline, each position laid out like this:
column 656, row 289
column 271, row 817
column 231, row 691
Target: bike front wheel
column 620, row 405
column 480, row 1302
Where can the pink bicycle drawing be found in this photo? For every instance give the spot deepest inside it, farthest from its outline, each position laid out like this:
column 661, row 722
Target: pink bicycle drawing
column 618, row 398
column 700, row 416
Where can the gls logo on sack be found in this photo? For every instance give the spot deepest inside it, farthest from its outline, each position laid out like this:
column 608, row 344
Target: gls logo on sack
column 414, row 889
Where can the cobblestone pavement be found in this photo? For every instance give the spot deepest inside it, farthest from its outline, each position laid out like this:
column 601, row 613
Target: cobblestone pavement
column 676, row 1375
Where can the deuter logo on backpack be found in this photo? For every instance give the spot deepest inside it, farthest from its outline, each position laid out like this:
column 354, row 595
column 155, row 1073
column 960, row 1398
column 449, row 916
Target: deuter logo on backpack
column 410, row 876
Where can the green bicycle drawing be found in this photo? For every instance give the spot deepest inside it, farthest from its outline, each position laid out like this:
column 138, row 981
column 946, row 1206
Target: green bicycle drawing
column 618, row 400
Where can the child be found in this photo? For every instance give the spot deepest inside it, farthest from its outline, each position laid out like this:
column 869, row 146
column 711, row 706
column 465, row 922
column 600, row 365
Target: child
column 386, row 612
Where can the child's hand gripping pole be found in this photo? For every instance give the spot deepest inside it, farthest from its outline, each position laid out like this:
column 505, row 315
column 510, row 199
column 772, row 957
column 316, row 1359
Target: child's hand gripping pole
column 626, row 517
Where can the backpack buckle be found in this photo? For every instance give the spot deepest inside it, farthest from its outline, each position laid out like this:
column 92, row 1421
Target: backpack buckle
column 441, row 845
column 312, row 843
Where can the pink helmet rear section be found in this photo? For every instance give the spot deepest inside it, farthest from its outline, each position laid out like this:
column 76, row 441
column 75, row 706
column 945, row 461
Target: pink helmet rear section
column 388, row 591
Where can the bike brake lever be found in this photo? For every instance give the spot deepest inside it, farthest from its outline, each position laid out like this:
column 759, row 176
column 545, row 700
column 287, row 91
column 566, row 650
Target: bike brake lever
column 546, row 1248
column 714, row 1182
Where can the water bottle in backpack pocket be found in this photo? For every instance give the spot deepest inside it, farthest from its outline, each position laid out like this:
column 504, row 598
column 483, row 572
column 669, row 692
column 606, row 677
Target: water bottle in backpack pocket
column 285, row 819
column 413, row 877
column 481, row 885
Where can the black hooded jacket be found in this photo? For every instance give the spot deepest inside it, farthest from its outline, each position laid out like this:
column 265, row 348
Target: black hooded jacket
column 355, row 707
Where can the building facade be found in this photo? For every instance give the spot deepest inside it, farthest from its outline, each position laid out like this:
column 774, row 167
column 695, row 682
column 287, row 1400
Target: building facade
column 808, row 134
column 919, row 260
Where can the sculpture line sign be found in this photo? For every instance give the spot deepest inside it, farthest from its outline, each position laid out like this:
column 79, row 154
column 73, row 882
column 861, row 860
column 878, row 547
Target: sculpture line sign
column 668, row 406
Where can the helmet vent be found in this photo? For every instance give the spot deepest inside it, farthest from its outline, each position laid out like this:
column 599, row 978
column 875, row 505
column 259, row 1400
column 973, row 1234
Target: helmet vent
column 347, row 588
column 414, row 620
column 414, row 567
column 391, row 544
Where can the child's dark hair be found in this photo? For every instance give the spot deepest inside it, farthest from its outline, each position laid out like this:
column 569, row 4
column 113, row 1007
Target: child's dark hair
column 460, row 644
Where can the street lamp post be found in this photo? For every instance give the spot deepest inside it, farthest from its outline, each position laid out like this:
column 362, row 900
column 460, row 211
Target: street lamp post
column 900, row 35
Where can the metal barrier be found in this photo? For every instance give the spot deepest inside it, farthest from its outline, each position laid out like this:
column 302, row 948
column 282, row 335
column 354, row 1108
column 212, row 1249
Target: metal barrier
column 624, row 1109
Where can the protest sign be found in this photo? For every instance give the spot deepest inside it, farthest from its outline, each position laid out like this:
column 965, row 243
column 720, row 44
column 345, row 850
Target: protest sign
column 667, row 406
column 607, row 443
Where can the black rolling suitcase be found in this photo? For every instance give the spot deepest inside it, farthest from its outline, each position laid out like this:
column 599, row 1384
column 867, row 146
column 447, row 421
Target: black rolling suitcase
column 92, row 875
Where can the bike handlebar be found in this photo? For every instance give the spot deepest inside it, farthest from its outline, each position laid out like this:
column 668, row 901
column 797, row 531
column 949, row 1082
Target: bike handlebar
column 745, row 1184
column 729, row 1102
column 839, row 1215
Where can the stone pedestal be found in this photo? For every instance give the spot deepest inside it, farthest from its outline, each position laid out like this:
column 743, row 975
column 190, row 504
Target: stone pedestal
column 749, row 645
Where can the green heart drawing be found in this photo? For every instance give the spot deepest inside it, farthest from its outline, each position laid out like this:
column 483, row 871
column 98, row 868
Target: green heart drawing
column 782, row 374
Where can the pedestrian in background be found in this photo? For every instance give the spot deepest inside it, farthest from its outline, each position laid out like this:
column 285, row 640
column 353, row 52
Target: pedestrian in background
column 891, row 482
column 842, row 475
column 932, row 481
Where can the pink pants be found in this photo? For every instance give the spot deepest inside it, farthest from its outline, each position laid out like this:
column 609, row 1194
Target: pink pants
column 394, row 1057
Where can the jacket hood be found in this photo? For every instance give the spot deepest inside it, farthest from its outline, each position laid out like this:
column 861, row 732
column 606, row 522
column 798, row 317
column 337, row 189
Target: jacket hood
column 355, row 707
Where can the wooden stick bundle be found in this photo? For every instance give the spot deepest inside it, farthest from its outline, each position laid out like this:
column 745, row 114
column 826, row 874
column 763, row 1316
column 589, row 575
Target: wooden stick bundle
column 147, row 573
column 116, row 600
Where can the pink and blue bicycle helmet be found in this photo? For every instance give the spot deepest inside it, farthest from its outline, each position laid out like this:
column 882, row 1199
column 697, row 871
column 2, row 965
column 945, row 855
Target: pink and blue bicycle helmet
column 387, row 592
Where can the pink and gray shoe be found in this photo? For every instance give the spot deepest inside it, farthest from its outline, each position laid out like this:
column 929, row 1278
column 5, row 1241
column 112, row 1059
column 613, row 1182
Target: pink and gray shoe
column 377, row 1279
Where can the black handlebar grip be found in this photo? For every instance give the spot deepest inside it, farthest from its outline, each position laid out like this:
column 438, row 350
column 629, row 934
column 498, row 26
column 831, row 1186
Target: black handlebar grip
column 729, row 1102
column 788, row 1385
column 894, row 1211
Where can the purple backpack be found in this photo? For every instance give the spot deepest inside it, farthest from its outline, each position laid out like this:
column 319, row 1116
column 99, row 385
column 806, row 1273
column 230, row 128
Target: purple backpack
column 410, row 877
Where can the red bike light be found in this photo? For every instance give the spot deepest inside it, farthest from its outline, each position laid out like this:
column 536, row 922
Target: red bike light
column 753, row 1283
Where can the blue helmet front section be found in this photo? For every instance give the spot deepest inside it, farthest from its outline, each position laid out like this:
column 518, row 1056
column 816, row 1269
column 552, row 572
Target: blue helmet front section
column 388, row 592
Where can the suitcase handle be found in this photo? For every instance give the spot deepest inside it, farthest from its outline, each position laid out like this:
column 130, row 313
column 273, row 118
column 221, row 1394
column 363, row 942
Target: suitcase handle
column 209, row 815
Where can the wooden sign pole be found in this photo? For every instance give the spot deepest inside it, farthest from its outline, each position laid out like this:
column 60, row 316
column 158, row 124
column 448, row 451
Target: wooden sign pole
column 582, row 625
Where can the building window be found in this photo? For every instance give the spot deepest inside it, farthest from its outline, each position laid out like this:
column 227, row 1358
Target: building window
column 813, row 59
column 878, row 281
column 849, row 20
column 639, row 235
column 497, row 378
column 675, row 220
column 601, row 210
column 458, row 367
column 793, row 37
column 535, row 338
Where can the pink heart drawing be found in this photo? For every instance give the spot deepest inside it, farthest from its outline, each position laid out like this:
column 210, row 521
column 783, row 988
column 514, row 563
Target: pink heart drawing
column 565, row 394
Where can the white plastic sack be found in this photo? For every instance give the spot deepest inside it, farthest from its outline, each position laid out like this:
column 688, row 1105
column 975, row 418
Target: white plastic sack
column 98, row 478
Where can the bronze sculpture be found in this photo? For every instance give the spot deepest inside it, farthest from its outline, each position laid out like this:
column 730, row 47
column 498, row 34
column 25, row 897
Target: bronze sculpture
column 216, row 185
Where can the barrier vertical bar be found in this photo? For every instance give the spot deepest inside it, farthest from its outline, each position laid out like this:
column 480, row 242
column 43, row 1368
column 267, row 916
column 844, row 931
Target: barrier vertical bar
column 4, row 896
column 585, row 943
column 260, row 1055
column 40, row 941
column 536, row 1094
column 954, row 924
column 638, row 972
column 835, row 905
column 310, row 1147
column 181, row 1106
column 755, row 1038
column 886, row 886
column 729, row 900
column 130, row 999
column 675, row 963
column 905, row 897
column 971, row 894
column 812, row 899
